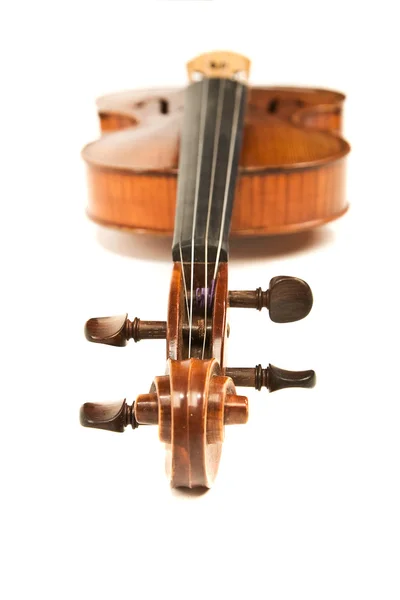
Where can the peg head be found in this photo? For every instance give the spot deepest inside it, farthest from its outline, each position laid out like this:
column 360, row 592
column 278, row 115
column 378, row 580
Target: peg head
column 290, row 299
column 107, row 330
column 112, row 417
column 278, row 379
column 271, row 378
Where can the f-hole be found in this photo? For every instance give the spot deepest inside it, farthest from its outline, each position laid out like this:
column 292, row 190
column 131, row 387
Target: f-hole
column 273, row 106
column 285, row 106
column 164, row 107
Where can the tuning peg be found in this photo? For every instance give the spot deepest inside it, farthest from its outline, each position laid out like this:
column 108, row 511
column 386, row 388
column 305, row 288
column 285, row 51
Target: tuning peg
column 112, row 417
column 116, row 331
column 272, row 378
column 288, row 299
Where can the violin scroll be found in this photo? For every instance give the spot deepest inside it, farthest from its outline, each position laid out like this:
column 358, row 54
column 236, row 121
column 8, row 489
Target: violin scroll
column 191, row 407
column 197, row 397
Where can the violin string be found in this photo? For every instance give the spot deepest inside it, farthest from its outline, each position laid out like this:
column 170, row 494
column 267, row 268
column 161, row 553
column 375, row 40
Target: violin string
column 182, row 192
column 196, row 200
column 238, row 95
column 183, row 276
column 220, row 103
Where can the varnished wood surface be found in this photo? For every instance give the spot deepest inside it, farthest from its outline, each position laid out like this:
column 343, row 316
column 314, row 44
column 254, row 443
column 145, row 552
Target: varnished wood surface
column 292, row 166
column 191, row 406
column 195, row 400
column 177, row 324
column 194, row 461
column 275, row 203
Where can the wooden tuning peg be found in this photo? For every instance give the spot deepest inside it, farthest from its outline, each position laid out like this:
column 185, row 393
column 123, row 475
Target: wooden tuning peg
column 112, row 417
column 288, row 299
column 116, row 331
column 272, row 378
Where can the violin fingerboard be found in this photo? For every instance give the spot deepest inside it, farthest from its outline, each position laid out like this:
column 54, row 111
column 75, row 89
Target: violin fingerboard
column 208, row 164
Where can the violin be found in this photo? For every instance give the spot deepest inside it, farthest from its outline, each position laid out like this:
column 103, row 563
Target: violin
column 220, row 158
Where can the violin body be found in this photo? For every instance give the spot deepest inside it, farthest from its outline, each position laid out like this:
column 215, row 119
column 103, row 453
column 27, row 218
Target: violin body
column 291, row 170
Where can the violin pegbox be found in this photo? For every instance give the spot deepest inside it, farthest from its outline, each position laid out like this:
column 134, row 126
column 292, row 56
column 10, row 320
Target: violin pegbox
column 197, row 397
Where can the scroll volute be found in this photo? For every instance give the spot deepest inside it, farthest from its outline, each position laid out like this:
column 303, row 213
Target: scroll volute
column 192, row 405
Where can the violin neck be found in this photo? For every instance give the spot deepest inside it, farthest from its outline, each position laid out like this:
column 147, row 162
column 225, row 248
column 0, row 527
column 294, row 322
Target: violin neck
column 208, row 164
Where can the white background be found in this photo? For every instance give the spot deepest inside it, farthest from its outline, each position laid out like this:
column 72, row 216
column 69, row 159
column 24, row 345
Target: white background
column 306, row 504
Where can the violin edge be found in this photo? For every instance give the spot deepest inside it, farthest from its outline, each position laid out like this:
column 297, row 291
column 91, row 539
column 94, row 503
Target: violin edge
column 236, row 233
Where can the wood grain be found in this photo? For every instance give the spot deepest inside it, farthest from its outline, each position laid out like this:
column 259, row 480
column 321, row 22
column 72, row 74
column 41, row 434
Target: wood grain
column 292, row 166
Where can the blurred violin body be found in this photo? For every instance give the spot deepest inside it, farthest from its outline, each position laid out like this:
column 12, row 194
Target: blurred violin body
column 217, row 159
column 291, row 168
